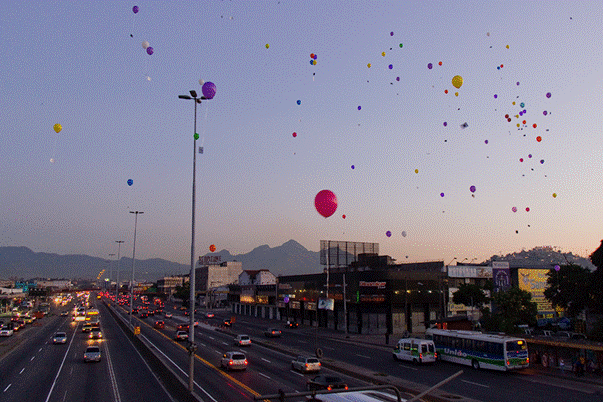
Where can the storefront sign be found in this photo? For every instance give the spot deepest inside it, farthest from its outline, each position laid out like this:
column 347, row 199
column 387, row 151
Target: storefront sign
column 378, row 285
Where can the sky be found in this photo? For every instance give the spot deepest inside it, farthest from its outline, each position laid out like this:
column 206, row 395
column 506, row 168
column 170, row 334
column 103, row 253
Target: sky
column 400, row 154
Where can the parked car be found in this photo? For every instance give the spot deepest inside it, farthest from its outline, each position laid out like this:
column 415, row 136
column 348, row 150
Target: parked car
column 233, row 361
column 272, row 333
column 242, row 340
column 181, row 335
column 328, row 382
column 59, row 337
column 305, row 364
column 92, row 354
column 159, row 324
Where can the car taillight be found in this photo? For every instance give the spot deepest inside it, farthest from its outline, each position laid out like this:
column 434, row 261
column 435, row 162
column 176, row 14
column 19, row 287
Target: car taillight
column 245, row 361
column 508, row 363
column 346, row 387
column 527, row 360
column 421, row 356
column 306, row 364
column 319, row 363
column 435, row 355
column 329, row 388
column 230, row 362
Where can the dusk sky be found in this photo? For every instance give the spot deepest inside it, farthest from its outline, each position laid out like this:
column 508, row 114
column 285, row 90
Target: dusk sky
column 81, row 64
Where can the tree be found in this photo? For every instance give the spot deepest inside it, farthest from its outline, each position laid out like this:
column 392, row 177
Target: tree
column 569, row 288
column 183, row 292
column 514, row 307
column 469, row 294
column 596, row 284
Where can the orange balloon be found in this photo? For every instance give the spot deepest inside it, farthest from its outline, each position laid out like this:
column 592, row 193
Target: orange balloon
column 212, row 248
column 446, row 91
column 524, row 122
column 539, row 138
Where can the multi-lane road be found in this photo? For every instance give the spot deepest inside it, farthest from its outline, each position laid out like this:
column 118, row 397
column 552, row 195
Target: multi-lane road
column 33, row 369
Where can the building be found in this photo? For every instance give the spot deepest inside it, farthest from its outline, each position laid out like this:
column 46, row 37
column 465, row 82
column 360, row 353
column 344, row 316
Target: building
column 257, row 277
column 208, row 276
column 168, row 284
column 476, row 274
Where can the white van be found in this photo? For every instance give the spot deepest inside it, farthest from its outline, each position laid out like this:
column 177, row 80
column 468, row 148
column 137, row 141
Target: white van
column 415, row 350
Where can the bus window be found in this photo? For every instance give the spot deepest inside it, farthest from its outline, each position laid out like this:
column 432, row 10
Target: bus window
column 407, row 346
column 514, row 346
column 423, row 348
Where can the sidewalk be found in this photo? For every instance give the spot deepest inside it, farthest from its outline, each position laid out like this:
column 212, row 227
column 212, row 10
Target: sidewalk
column 378, row 341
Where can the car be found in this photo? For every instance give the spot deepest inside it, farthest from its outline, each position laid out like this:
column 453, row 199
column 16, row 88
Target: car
column 234, row 361
column 181, row 335
column 324, row 381
column 226, row 323
column 92, row 354
column 64, row 313
column 59, row 337
column 209, row 315
column 95, row 333
column 87, row 327
column 159, row 325
column 183, row 327
column 242, row 340
column 578, row 336
column 291, row 324
column 272, row 333
column 305, row 364
column 6, row 331
column 144, row 314
column 168, row 315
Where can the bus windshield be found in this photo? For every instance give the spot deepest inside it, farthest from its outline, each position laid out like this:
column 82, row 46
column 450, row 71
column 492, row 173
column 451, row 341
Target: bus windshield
column 515, row 346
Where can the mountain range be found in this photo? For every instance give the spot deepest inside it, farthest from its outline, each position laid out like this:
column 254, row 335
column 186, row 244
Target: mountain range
column 19, row 263
column 290, row 258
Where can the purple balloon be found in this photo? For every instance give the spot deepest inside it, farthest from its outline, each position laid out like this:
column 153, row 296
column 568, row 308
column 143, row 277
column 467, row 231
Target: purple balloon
column 545, row 113
column 472, row 189
column 391, row 66
column 359, row 107
column 209, row 90
column 495, row 96
column 391, row 34
column 517, row 82
column 441, row 194
column 557, row 268
column 149, row 50
column 486, row 141
column 542, row 161
column 135, row 9
column 548, row 94
column 388, row 233
column 397, row 78
column 514, row 209
column 445, row 123
column 430, row 66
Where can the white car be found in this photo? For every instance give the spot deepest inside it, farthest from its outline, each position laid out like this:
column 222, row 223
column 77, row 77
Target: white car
column 234, row 361
column 59, row 337
column 6, row 332
column 306, row 364
column 242, row 340
column 92, row 354
column 181, row 335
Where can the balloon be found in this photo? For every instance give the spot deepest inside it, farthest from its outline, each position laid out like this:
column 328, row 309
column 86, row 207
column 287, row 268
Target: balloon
column 521, row 159
column 57, row 128
column 514, row 209
column 51, row 160
column 486, row 142
column 145, row 44
column 495, row 96
column 430, row 66
column 294, row 134
column 353, row 167
column 343, row 216
column 383, row 54
column 522, row 104
column 391, row 34
column 542, row 161
column 397, row 78
column 149, row 50
column 557, row 268
column 359, row 107
column 517, row 82
column 201, row 82
column 527, row 209
column 445, row 123
column 534, row 125
column 401, row 45
column 416, row 170
column 135, row 9
column 299, row 102
column 315, row 57
column 545, row 113
column 457, row 81
column 554, row 195
column 212, row 248
column 456, row 94
column 404, row 233
column 130, row 182
column 311, row 55
column 388, row 233
column 369, row 65
column 548, row 94
column 507, row 46
column 441, row 194
column 325, row 203
column 391, row 66
column 267, row 45
column 539, row 138
column 445, row 91
column 472, row 189
column 440, row 63
column 209, row 90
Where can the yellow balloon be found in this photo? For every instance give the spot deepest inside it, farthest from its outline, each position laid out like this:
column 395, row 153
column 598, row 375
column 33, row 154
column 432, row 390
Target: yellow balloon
column 456, row 94
column 457, row 81
column 554, row 195
column 369, row 65
column 57, row 128
column 267, row 45
column 416, row 170
column 383, row 54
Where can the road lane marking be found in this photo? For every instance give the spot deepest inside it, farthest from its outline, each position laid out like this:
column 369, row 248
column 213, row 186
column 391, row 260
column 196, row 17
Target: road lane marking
column 33, row 357
column 202, row 344
column 211, row 337
column 112, row 375
column 61, row 366
column 218, row 351
column 366, row 357
column 299, row 374
column 267, row 361
column 22, row 370
column 40, row 350
column 476, row 383
column 264, row 375
column 7, row 387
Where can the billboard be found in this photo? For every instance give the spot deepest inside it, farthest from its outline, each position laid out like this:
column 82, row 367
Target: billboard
column 501, row 276
column 534, row 281
column 335, row 253
column 326, row 304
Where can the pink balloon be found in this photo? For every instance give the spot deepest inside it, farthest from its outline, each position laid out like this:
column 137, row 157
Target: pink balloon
column 325, row 203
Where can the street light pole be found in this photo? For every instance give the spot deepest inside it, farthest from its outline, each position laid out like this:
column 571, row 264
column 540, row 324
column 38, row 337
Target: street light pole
column 110, row 272
column 192, row 281
column 118, row 263
column 136, row 213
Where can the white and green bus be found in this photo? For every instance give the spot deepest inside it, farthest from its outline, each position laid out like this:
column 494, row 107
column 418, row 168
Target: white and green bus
column 472, row 348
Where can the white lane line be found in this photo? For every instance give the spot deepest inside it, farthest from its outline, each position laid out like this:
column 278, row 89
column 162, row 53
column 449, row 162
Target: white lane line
column 7, row 387
column 211, row 337
column 299, row 374
column 61, row 366
column 202, row 344
column 218, row 352
column 40, row 350
column 225, row 343
column 366, row 357
column 476, row 383
column 33, row 357
column 264, row 375
column 22, row 370
column 112, row 375
column 267, row 361
column 177, row 367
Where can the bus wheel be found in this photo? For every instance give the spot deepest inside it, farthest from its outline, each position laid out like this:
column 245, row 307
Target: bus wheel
column 475, row 364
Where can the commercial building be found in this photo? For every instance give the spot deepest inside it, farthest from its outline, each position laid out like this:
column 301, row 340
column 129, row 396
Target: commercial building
column 212, row 275
column 168, row 284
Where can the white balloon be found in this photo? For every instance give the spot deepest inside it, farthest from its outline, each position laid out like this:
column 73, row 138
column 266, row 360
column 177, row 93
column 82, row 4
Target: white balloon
column 201, row 82
column 145, row 44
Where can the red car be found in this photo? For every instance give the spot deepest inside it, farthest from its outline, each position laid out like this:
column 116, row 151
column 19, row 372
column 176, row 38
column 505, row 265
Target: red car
column 159, row 325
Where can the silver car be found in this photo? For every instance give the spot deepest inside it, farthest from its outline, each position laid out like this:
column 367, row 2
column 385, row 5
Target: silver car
column 92, row 354
column 305, row 364
column 242, row 340
column 59, row 337
column 234, row 361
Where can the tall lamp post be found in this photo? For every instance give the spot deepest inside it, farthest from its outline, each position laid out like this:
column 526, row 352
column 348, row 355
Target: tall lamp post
column 136, row 213
column 110, row 274
column 118, row 263
column 191, row 336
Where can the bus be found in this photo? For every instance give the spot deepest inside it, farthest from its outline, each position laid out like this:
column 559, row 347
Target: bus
column 473, row 348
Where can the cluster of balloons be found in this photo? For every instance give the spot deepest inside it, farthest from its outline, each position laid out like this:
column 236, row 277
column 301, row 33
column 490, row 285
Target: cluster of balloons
column 313, row 59
column 325, row 203
column 147, row 46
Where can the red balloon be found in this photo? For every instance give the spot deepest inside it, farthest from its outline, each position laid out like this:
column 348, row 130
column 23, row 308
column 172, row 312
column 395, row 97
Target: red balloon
column 212, row 248
column 325, row 203
column 343, row 216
